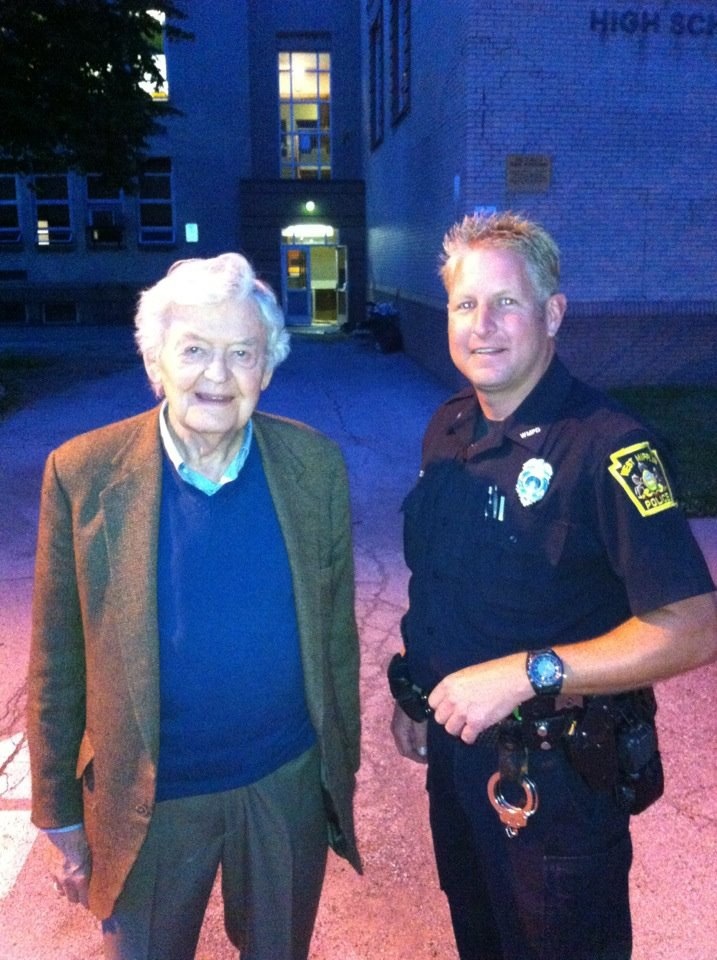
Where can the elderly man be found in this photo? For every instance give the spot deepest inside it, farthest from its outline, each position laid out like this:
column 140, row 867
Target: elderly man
column 193, row 679
column 553, row 575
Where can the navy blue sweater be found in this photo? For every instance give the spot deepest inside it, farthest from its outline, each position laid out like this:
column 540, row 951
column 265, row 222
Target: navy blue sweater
column 232, row 703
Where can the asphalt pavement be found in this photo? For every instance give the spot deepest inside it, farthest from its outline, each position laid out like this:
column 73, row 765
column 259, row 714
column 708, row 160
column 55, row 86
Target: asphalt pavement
column 376, row 406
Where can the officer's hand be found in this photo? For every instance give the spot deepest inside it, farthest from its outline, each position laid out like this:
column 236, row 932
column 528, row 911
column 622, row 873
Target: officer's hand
column 470, row 700
column 70, row 867
column 409, row 736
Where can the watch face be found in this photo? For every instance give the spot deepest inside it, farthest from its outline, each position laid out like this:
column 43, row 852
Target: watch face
column 545, row 671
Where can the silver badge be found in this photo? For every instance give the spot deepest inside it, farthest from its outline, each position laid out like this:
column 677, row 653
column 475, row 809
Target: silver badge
column 533, row 481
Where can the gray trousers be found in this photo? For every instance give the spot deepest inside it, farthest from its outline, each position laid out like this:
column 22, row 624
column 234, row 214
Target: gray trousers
column 270, row 840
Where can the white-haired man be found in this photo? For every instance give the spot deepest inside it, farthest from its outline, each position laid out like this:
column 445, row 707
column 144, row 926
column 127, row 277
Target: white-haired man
column 193, row 678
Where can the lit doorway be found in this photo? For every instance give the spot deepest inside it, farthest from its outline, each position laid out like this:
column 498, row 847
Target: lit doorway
column 314, row 282
column 296, row 285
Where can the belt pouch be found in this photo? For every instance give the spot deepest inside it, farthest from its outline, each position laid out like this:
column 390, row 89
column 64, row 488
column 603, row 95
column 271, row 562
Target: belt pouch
column 641, row 778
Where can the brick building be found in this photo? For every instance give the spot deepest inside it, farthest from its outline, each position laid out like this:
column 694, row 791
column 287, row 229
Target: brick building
column 266, row 159
column 334, row 143
column 598, row 121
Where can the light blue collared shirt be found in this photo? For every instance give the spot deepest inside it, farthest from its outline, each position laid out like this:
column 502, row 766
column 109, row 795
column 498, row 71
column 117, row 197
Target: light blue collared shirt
column 193, row 478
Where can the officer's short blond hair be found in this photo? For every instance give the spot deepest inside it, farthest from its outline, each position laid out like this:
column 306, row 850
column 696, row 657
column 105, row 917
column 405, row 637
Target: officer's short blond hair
column 504, row 231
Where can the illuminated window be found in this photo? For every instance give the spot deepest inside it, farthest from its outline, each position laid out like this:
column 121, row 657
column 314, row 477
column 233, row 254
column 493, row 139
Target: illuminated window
column 304, row 104
column 160, row 92
column 400, row 58
column 376, row 77
column 9, row 222
column 52, row 210
column 156, row 208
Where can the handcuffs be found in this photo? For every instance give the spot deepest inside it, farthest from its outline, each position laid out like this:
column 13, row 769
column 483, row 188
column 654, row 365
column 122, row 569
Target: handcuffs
column 512, row 817
column 513, row 756
column 512, row 768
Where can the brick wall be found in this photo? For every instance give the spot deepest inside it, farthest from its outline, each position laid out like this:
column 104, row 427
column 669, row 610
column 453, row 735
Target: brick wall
column 619, row 97
column 668, row 346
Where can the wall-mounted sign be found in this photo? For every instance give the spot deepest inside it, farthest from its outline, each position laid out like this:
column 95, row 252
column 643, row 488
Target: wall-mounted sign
column 694, row 23
column 527, row 172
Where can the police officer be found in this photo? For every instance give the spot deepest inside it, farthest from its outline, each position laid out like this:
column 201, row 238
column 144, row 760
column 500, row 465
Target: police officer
column 552, row 570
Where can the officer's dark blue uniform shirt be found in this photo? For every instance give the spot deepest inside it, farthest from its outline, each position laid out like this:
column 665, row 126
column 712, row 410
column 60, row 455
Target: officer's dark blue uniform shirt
column 552, row 526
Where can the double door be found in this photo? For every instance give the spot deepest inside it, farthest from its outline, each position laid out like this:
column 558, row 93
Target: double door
column 314, row 284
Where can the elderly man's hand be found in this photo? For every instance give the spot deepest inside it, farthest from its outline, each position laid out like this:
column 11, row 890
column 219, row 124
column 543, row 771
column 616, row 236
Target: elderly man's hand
column 70, row 864
column 471, row 700
column 409, row 736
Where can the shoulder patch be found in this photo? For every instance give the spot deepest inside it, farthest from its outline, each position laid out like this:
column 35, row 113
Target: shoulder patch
column 639, row 471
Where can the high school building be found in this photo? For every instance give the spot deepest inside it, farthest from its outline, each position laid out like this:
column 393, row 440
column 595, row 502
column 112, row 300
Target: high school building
column 596, row 119
column 335, row 142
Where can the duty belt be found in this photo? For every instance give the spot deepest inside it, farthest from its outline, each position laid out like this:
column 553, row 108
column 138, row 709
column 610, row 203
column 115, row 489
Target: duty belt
column 611, row 742
column 540, row 724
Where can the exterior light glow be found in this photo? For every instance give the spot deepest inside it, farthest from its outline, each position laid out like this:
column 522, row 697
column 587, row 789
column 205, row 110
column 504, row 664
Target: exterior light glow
column 298, row 232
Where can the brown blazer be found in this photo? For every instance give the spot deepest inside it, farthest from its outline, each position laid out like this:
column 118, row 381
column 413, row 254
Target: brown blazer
column 93, row 714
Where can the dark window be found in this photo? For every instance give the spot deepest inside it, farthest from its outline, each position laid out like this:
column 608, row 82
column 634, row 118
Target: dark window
column 376, row 77
column 59, row 313
column 9, row 222
column 52, row 210
column 105, row 213
column 156, row 213
column 12, row 311
column 400, row 58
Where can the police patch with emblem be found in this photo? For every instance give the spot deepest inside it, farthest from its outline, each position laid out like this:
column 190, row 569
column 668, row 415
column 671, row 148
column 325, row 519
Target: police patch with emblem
column 639, row 471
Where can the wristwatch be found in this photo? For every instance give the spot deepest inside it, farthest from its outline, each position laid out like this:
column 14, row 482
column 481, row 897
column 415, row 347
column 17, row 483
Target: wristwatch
column 545, row 672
